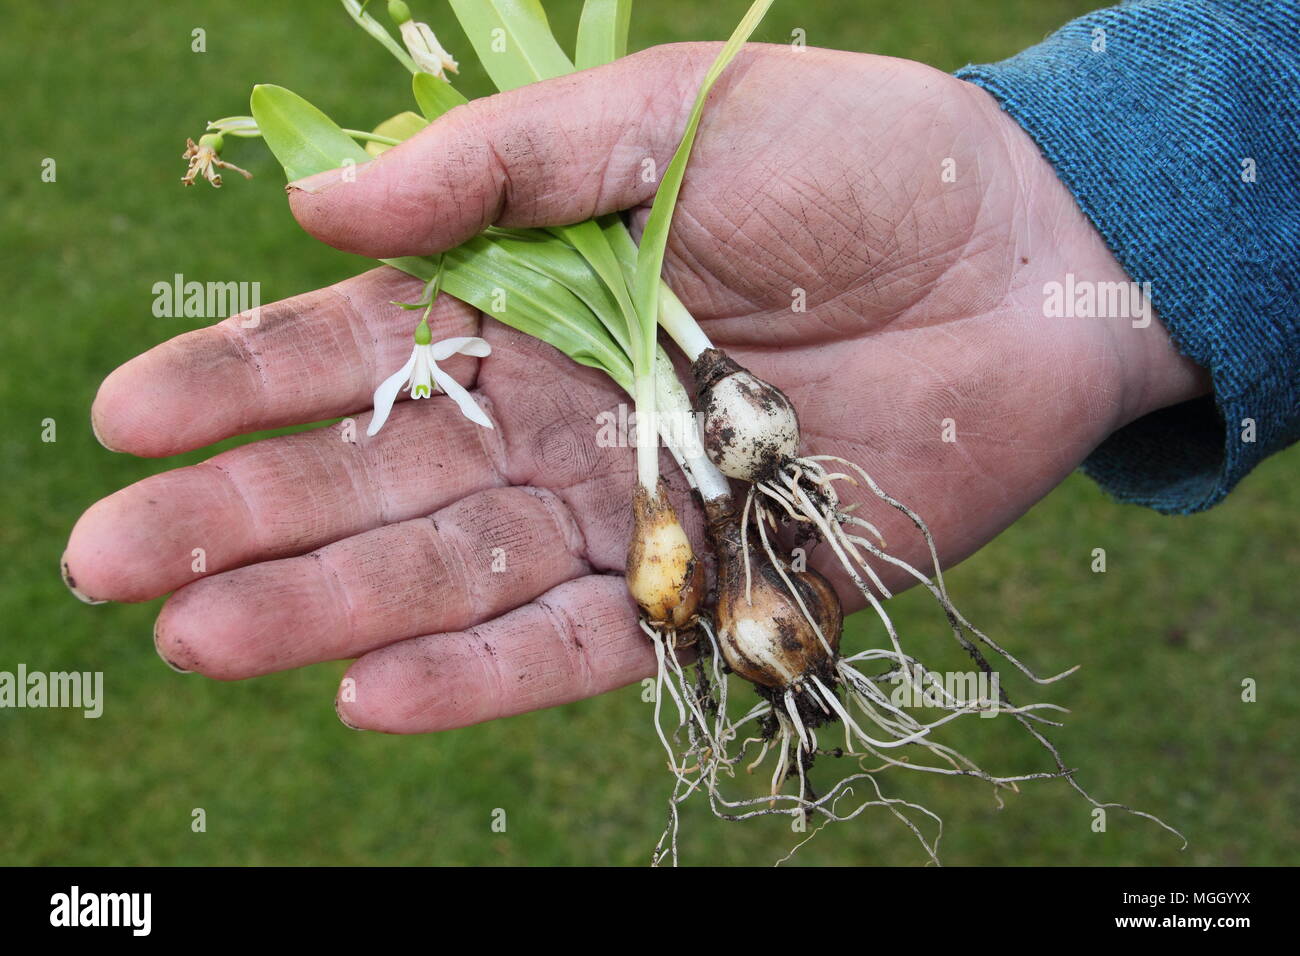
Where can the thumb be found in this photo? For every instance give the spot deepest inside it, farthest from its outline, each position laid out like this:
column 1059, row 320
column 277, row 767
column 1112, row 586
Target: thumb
column 550, row 153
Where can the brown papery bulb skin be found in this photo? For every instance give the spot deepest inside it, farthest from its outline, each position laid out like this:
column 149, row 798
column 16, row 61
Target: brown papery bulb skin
column 767, row 639
column 663, row 575
column 750, row 426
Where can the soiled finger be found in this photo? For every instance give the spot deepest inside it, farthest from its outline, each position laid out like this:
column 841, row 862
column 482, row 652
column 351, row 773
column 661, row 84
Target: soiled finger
column 305, row 359
column 279, row 497
column 463, row 565
column 577, row 640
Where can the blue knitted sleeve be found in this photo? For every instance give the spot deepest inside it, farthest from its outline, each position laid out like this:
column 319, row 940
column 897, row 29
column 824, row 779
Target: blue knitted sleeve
column 1176, row 125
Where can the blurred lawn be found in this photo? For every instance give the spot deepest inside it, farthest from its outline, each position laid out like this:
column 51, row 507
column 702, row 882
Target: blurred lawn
column 1187, row 609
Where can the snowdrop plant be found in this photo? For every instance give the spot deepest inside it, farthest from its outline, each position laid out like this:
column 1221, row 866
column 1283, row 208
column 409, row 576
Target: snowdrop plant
column 597, row 296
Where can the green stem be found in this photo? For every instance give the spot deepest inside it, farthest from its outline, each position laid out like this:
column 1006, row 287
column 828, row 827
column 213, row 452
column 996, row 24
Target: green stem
column 357, row 11
column 252, row 132
column 680, row 324
column 371, row 137
column 646, row 397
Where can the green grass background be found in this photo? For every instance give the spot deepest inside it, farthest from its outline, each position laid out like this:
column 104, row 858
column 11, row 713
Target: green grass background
column 1188, row 608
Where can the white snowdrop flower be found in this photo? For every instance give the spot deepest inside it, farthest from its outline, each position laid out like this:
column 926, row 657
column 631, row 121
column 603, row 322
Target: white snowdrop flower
column 421, row 375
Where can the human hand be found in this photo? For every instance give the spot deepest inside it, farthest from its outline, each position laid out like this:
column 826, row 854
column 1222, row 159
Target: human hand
column 814, row 170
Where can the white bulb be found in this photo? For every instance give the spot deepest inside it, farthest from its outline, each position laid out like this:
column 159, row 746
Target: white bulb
column 750, row 427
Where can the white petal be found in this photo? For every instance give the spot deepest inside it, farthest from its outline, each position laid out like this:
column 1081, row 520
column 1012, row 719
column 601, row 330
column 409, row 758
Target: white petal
column 427, row 38
column 422, row 375
column 461, row 345
column 425, row 49
column 410, row 31
column 436, row 49
column 468, row 407
column 428, row 63
column 386, row 394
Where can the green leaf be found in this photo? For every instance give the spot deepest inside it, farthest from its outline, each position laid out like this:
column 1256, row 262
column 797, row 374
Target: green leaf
column 537, row 280
column 513, row 40
column 654, row 238
column 480, row 270
column 570, row 293
column 602, row 32
column 591, row 242
column 303, row 139
column 435, row 96
column 243, row 126
column 622, row 244
column 399, row 127
column 531, row 54
column 577, row 269
column 534, row 303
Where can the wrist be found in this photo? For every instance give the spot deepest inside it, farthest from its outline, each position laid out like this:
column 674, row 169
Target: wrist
column 1082, row 281
column 1156, row 374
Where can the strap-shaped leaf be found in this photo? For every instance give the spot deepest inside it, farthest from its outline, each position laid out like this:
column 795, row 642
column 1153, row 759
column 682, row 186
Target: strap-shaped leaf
column 493, row 279
column 553, row 257
column 537, row 301
column 654, row 238
column 590, row 240
column 399, row 127
column 515, row 45
column 586, row 237
column 303, row 139
column 435, row 96
column 513, row 40
column 602, row 32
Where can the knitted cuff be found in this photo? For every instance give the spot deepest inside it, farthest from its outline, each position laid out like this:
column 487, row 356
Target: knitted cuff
column 1176, row 125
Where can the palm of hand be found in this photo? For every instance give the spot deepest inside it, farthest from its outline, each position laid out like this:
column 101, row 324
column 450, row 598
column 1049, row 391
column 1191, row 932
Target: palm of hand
column 471, row 570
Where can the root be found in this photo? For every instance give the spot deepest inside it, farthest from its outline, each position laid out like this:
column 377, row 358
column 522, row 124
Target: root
column 707, row 745
column 803, row 491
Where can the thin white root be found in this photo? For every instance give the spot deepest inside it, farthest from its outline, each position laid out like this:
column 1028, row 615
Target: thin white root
column 708, row 745
column 804, row 493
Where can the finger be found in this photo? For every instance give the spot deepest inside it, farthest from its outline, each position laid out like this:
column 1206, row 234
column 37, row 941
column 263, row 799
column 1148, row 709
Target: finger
column 308, row 358
column 575, row 641
column 462, row 565
column 279, row 497
column 555, row 152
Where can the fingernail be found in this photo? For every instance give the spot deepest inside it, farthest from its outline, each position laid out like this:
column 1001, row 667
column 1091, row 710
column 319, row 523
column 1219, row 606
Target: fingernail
column 157, row 646
column 318, row 181
column 343, row 720
column 94, row 430
column 71, row 584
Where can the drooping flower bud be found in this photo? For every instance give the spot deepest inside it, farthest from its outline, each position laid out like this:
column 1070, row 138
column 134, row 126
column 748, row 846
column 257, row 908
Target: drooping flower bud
column 425, row 49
